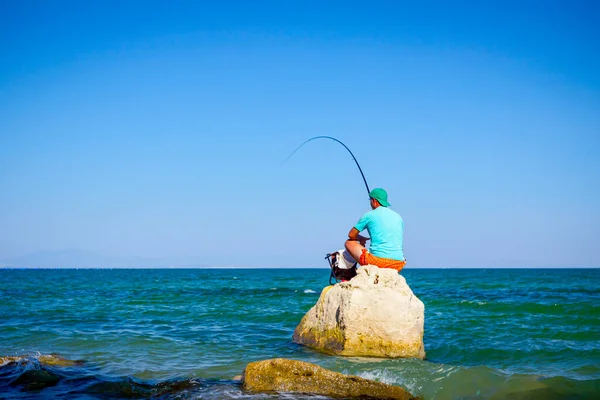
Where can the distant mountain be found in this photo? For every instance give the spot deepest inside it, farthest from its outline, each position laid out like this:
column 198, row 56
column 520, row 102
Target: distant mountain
column 89, row 259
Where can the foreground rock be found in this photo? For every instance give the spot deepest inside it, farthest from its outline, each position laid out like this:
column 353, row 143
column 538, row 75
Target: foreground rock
column 281, row 375
column 374, row 314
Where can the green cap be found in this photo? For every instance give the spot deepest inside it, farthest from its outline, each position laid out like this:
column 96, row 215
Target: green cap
column 380, row 195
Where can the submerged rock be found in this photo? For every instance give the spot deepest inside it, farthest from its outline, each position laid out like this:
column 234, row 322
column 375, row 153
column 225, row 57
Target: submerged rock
column 52, row 360
column 282, row 375
column 375, row 314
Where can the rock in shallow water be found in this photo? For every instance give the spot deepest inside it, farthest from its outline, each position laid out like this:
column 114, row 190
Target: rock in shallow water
column 52, row 360
column 282, row 375
column 375, row 314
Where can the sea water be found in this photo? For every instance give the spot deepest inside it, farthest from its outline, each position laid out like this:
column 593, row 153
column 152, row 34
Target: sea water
column 186, row 333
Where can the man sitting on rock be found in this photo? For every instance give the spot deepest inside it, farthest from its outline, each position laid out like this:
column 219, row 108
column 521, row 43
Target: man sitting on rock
column 386, row 230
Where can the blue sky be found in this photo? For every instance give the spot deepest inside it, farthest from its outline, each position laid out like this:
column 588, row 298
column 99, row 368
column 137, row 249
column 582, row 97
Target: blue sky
column 158, row 129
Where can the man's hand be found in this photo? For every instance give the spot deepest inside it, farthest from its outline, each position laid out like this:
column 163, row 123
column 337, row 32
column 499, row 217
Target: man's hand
column 354, row 235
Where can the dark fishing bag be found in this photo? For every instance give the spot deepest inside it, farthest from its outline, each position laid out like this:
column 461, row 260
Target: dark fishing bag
column 343, row 266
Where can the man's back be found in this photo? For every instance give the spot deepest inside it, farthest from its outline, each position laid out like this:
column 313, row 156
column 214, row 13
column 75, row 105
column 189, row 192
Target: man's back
column 386, row 229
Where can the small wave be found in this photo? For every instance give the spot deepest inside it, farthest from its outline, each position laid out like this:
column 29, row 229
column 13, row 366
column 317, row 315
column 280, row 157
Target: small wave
column 309, row 291
column 380, row 375
column 480, row 303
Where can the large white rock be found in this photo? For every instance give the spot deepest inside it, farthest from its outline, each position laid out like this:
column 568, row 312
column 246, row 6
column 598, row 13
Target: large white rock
column 374, row 314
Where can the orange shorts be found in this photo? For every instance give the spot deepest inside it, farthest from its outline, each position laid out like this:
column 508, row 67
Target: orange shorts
column 368, row 258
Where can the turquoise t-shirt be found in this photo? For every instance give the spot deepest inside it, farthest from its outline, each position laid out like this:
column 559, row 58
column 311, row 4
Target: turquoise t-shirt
column 386, row 229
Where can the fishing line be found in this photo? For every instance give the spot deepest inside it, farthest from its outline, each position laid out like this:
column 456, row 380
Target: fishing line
column 335, row 140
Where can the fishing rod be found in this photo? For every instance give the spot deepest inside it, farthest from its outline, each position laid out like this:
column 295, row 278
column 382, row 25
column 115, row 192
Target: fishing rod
column 346, row 147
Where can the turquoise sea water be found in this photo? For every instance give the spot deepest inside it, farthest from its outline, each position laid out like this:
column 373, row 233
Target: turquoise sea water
column 167, row 333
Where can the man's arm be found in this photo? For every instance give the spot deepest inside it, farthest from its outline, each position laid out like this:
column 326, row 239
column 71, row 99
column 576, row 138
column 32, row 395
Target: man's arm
column 354, row 235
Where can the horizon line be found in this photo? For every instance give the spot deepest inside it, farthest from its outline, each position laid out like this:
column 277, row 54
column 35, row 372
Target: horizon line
column 242, row 267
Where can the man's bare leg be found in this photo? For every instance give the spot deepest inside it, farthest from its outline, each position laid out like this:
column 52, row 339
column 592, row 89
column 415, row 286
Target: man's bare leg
column 355, row 249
